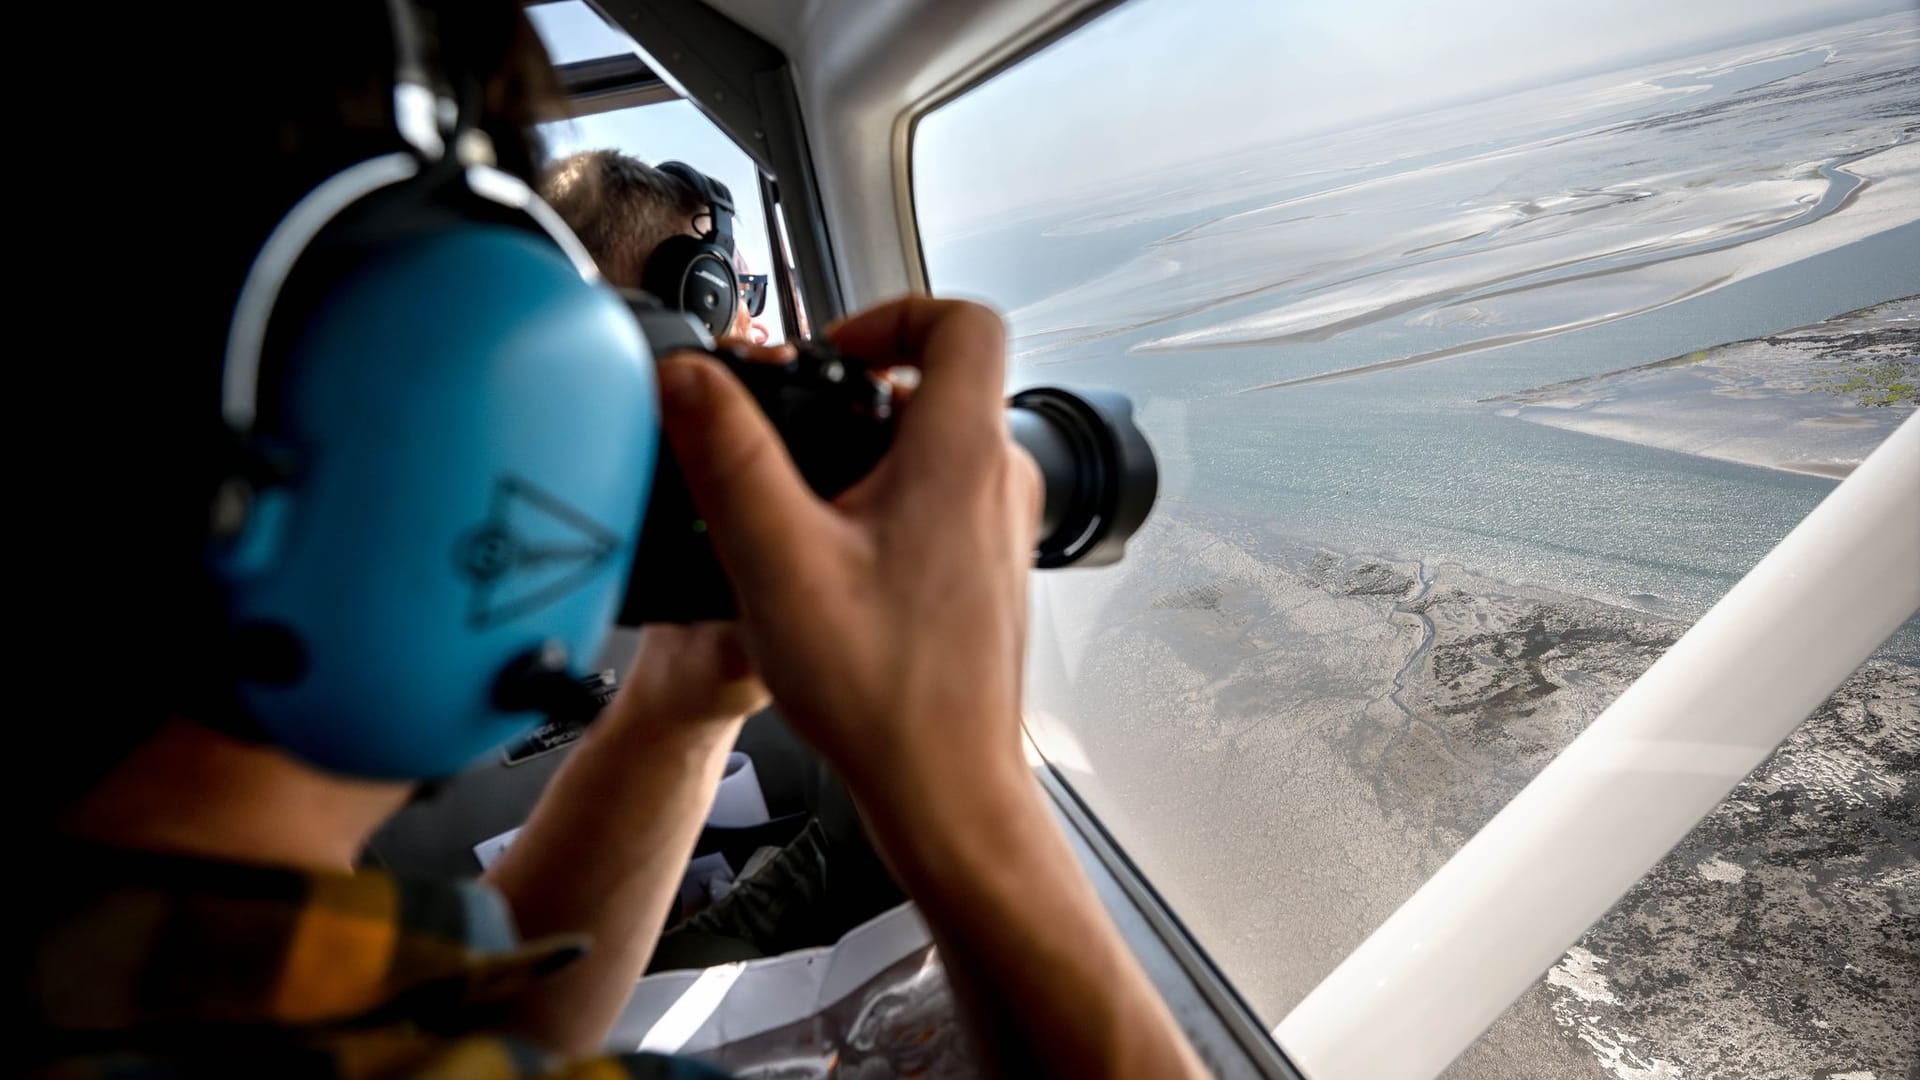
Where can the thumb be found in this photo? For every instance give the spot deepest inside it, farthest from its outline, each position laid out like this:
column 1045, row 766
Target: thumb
column 743, row 482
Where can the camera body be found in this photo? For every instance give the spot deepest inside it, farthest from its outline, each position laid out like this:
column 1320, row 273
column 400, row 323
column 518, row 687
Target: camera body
column 835, row 417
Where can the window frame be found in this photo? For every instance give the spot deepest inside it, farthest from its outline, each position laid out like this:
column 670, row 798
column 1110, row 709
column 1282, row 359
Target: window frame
column 800, row 247
column 611, row 83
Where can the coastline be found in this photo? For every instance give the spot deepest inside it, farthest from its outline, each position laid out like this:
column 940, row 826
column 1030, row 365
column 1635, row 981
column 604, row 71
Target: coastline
column 1290, row 739
column 1814, row 400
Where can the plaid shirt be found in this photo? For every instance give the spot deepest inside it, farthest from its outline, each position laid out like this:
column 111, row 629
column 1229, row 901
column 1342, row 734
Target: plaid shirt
column 151, row 967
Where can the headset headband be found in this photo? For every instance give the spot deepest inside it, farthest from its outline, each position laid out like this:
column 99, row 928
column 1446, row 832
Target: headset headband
column 417, row 115
column 441, row 520
column 416, row 108
column 712, row 192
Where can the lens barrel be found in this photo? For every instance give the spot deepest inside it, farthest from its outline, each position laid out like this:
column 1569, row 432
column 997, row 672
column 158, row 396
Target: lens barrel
column 1099, row 472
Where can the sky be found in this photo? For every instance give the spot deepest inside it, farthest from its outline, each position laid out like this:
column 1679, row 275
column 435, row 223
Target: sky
column 1156, row 82
column 571, row 31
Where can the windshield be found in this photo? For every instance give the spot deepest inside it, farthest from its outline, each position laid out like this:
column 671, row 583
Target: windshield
column 1484, row 348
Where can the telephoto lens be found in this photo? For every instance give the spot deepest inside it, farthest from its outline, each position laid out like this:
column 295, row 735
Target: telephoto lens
column 836, row 418
column 1099, row 472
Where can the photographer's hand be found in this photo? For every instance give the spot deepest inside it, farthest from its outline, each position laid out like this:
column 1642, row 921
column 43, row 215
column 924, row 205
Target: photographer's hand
column 890, row 625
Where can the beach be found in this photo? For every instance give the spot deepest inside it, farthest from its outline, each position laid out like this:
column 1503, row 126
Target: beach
column 1463, row 415
column 1813, row 400
column 1292, row 739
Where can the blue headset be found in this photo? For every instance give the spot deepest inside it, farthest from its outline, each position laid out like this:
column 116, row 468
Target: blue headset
column 438, row 489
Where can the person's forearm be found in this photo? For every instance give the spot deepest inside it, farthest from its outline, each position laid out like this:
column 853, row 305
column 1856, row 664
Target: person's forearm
column 1032, row 954
column 604, row 854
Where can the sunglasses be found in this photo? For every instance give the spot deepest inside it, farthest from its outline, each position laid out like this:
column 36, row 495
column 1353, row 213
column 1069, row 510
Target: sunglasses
column 753, row 291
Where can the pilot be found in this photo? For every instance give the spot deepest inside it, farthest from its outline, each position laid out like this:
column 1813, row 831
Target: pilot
column 186, row 866
column 623, row 210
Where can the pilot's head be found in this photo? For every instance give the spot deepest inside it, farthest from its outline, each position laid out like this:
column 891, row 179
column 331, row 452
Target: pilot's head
column 623, row 209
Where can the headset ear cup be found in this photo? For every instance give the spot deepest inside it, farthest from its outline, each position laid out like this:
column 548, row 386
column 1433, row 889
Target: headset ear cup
column 697, row 276
column 712, row 290
column 476, row 429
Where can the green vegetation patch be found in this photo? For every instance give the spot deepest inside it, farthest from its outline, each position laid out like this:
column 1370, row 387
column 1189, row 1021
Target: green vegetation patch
column 1878, row 383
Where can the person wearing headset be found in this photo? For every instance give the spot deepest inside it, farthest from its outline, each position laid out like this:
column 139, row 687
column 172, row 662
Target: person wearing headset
column 666, row 230
column 380, row 374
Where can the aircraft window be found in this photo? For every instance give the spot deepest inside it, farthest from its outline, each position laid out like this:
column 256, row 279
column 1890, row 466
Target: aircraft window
column 1484, row 347
column 572, row 32
column 677, row 131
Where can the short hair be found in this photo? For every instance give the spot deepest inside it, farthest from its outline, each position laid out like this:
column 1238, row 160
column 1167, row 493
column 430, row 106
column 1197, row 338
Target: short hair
column 233, row 137
column 621, row 208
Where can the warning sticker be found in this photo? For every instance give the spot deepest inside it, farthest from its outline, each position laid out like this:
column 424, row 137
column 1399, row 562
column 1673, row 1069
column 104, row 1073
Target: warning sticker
column 555, row 734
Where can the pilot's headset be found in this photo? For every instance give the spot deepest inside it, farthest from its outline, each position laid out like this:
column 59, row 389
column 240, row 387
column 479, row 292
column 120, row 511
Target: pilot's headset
column 696, row 274
column 440, row 475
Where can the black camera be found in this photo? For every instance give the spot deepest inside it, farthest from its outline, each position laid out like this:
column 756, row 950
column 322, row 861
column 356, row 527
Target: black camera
column 835, row 416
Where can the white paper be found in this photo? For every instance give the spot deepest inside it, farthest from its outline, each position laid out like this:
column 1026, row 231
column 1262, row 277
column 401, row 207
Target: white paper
column 763, row 994
column 488, row 851
column 738, row 803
